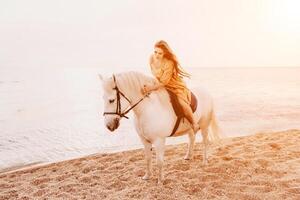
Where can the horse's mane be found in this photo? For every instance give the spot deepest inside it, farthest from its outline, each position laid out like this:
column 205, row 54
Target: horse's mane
column 134, row 81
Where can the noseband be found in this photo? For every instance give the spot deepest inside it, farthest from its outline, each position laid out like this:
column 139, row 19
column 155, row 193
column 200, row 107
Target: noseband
column 118, row 109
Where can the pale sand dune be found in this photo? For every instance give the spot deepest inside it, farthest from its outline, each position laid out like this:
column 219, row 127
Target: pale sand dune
column 261, row 166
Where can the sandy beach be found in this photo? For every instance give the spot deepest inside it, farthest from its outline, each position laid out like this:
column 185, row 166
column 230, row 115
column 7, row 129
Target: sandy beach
column 260, row 166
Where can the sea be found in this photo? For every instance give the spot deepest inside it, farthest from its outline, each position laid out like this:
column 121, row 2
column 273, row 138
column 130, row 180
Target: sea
column 54, row 114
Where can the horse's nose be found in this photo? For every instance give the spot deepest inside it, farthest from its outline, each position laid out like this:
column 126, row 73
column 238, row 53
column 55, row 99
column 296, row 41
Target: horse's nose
column 113, row 125
column 117, row 122
column 111, row 128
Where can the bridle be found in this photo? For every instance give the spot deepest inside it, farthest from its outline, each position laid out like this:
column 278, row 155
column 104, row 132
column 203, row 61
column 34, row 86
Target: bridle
column 118, row 109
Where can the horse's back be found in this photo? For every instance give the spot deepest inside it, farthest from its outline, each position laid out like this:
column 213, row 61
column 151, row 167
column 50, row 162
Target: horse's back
column 205, row 101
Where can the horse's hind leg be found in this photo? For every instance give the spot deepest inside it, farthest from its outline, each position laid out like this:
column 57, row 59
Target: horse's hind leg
column 189, row 153
column 205, row 142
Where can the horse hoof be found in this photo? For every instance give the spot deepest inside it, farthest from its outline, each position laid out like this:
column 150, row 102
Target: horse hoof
column 186, row 158
column 146, row 177
column 160, row 183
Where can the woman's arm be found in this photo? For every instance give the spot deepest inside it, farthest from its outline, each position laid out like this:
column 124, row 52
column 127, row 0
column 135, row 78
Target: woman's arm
column 163, row 79
column 167, row 74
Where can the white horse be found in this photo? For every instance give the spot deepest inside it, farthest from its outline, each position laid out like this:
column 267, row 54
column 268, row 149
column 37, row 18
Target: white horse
column 154, row 115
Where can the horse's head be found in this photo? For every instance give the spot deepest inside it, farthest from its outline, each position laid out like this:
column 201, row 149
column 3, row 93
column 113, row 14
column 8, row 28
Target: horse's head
column 115, row 103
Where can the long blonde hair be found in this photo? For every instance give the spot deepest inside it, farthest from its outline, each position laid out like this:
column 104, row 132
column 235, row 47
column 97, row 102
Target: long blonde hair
column 168, row 54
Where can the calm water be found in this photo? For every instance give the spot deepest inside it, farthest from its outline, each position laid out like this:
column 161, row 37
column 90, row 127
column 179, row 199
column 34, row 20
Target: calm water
column 55, row 114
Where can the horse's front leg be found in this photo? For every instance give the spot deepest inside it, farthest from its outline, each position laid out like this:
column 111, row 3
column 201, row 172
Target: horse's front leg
column 160, row 151
column 148, row 157
column 147, row 149
column 189, row 153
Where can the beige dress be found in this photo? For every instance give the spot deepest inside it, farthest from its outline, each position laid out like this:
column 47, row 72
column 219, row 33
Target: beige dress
column 166, row 75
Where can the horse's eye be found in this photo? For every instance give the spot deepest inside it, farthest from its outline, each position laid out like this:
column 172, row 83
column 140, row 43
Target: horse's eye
column 111, row 100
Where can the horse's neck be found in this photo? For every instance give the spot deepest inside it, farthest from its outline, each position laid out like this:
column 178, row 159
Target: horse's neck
column 130, row 85
column 148, row 104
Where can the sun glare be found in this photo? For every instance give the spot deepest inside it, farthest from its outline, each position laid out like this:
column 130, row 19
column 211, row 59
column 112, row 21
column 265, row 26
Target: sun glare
column 282, row 15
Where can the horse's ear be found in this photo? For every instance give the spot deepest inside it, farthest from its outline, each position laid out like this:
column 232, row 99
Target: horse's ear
column 100, row 77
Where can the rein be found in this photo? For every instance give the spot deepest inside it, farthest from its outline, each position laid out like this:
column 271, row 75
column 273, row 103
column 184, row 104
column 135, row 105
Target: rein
column 118, row 109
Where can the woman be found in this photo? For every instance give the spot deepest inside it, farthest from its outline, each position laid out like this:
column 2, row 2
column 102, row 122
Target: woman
column 167, row 71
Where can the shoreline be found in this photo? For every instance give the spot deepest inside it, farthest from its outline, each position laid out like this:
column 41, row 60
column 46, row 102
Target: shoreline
column 110, row 151
column 260, row 166
column 27, row 166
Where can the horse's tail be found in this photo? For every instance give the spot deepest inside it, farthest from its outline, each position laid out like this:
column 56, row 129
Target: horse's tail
column 214, row 134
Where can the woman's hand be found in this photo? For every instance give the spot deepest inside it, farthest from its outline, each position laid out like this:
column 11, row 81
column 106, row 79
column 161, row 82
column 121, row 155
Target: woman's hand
column 149, row 88
column 146, row 89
